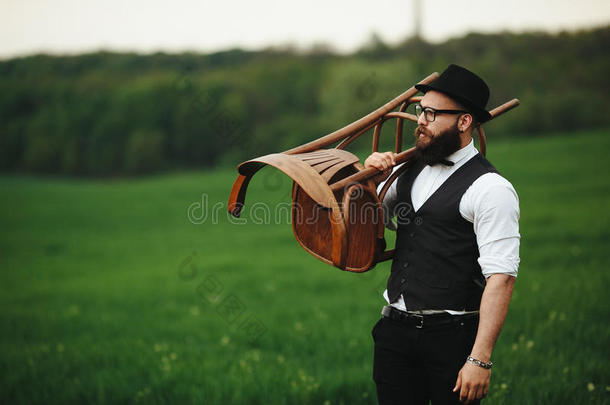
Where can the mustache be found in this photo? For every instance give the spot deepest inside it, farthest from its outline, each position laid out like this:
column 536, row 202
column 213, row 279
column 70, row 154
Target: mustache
column 419, row 129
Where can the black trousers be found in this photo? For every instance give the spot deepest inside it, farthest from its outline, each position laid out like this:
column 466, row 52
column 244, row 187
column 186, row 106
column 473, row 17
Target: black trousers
column 415, row 366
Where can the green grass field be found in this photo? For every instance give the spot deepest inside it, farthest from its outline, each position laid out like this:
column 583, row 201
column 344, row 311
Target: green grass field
column 110, row 294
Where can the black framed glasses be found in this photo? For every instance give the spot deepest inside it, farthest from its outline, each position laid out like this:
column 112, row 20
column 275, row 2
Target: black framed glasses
column 430, row 113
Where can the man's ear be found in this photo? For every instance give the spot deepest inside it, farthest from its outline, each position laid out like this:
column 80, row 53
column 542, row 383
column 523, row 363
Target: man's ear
column 464, row 122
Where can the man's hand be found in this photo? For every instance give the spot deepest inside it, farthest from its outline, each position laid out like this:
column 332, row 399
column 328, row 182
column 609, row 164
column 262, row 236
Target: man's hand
column 472, row 382
column 381, row 161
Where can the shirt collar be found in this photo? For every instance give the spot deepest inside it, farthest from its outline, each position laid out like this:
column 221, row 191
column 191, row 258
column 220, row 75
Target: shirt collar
column 460, row 154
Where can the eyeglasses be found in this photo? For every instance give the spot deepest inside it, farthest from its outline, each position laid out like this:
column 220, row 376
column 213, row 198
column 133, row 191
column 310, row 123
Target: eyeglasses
column 430, row 113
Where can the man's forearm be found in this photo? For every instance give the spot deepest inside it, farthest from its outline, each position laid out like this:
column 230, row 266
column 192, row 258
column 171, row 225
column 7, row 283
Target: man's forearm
column 494, row 306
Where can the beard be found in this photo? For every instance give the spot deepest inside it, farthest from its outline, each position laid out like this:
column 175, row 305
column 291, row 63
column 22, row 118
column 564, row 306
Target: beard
column 438, row 147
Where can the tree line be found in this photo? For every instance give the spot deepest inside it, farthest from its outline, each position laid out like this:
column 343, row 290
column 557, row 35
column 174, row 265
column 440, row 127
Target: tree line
column 123, row 113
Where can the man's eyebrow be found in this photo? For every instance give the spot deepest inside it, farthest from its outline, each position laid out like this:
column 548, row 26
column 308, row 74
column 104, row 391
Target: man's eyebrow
column 438, row 109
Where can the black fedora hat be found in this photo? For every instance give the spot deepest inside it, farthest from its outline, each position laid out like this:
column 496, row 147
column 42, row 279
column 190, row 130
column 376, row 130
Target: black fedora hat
column 464, row 87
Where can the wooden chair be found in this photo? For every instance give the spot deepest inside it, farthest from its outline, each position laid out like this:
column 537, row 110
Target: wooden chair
column 336, row 212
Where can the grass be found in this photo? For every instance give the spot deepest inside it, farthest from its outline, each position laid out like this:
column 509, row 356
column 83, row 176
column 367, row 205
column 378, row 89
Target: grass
column 111, row 294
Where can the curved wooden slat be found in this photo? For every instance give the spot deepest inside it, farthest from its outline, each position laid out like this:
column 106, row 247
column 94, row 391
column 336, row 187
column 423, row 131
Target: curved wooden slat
column 238, row 195
column 302, row 173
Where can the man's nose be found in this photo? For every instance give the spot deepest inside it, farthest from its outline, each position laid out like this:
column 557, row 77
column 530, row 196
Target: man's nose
column 421, row 120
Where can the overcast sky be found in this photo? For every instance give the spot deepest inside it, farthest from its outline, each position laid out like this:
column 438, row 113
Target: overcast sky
column 73, row 26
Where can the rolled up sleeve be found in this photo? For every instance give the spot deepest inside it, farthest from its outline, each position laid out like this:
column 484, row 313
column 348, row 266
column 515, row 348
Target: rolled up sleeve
column 492, row 205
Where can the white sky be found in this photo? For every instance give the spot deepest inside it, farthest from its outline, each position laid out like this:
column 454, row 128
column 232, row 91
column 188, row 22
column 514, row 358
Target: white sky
column 72, row 26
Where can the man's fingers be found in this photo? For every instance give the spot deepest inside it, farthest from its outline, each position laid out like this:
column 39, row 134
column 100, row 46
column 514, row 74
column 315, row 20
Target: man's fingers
column 483, row 392
column 464, row 393
column 458, row 383
column 390, row 156
column 385, row 160
column 380, row 161
column 472, row 394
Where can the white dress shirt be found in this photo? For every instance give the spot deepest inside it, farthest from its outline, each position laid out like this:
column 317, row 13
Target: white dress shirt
column 490, row 204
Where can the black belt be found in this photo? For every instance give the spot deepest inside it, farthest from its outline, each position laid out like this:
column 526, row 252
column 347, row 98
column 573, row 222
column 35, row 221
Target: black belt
column 419, row 320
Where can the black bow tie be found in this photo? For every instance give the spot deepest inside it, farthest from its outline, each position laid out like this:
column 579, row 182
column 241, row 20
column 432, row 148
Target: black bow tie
column 446, row 162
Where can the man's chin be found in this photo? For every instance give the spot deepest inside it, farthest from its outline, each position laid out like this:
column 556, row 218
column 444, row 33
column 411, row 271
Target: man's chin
column 422, row 142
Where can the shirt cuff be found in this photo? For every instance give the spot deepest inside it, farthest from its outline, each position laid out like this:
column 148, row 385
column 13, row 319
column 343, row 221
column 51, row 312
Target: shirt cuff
column 499, row 265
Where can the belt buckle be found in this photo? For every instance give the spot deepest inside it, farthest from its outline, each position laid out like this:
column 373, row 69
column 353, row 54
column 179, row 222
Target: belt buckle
column 421, row 320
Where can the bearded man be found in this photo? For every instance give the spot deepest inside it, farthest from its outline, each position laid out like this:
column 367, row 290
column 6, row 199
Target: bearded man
column 456, row 257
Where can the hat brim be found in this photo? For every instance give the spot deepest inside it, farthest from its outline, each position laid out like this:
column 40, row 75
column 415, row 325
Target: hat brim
column 480, row 114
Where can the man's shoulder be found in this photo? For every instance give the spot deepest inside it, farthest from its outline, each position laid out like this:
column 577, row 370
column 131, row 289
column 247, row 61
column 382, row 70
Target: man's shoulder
column 492, row 181
column 482, row 164
column 490, row 193
column 490, row 176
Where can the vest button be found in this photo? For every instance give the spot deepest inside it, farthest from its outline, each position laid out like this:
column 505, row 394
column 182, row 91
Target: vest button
column 418, row 221
column 402, row 280
column 412, row 234
column 405, row 265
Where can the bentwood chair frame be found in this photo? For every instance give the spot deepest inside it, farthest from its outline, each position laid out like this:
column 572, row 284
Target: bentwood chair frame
column 331, row 185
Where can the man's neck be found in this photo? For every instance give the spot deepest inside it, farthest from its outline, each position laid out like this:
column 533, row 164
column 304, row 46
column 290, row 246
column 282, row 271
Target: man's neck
column 465, row 138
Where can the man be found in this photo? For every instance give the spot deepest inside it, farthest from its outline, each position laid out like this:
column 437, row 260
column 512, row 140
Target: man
column 456, row 258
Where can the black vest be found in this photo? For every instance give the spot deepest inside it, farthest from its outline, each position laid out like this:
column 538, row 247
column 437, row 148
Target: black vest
column 435, row 263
